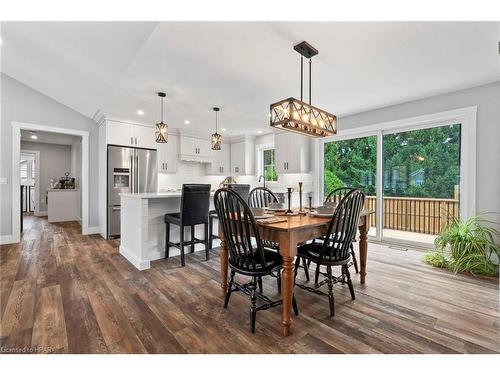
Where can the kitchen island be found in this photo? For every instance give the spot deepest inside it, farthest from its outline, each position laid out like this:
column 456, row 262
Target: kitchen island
column 142, row 234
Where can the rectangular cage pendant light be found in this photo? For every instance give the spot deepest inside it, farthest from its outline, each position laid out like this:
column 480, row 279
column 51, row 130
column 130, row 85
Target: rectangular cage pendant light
column 298, row 116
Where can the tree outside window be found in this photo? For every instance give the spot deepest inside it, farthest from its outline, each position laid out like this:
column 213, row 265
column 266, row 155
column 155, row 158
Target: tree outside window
column 269, row 166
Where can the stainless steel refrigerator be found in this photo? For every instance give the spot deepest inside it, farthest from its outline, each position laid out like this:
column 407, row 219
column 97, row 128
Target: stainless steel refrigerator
column 130, row 170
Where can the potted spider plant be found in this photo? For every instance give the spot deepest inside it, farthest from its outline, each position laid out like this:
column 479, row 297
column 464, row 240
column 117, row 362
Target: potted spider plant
column 467, row 246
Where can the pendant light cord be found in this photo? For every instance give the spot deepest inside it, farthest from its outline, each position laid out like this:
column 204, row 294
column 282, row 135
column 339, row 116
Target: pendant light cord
column 216, row 122
column 310, row 79
column 161, row 110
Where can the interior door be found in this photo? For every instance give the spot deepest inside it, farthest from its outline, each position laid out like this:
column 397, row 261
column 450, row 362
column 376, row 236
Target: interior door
column 146, row 171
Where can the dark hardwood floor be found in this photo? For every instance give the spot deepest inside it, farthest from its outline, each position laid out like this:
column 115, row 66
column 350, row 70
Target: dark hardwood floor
column 64, row 292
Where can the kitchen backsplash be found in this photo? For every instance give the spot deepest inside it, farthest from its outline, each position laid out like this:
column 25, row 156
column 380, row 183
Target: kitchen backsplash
column 192, row 172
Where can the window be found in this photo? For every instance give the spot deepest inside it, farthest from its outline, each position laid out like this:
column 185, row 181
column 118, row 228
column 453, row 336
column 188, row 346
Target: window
column 268, row 165
column 24, row 170
column 352, row 163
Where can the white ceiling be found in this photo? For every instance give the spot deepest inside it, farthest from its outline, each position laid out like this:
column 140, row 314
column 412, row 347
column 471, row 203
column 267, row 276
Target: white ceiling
column 243, row 67
column 48, row 137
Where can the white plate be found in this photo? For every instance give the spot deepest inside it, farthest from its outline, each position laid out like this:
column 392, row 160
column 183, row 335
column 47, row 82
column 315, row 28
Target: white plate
column 314, row 213
column 275, row 209
column 265, row 216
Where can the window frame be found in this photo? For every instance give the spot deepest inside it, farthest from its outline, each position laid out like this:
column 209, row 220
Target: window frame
column 260, row 161
column 466, row 117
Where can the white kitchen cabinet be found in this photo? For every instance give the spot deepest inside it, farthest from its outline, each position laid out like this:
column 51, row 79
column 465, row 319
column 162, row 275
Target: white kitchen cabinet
column 119, row 133
column 243, row 157
column 167, row 154
column 194, row 149
column 126, row 134
column 220, row 164
column 292, row 153
column 144, row 136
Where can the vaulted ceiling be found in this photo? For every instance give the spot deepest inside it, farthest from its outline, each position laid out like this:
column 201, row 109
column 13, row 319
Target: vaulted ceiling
column 117, row 67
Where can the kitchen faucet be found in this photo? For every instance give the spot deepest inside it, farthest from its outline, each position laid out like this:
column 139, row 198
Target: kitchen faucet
column 263, row 177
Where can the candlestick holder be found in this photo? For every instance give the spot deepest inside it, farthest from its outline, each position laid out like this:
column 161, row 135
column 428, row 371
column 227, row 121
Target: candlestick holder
column 310, row 203
column 289, row 211
column 300, row 196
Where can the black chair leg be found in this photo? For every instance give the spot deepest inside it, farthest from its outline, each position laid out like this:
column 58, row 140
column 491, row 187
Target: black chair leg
column 349, row 281
column 167, row 239
column 207, row 248
column 181, row 245
column 294, row 306
column 259, row 281
column 297, row 265
column 253, row 307
column 330, row 290
column 306, row 268
column 192, row 238
column 229, row 290
column 316, row 274
column 278, row 281
column 354, row 260
column 210, row 231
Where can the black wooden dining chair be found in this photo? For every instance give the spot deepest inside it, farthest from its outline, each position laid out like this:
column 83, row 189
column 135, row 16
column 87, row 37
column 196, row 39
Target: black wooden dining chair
column 335, row 250
column 335, row 196
column 195, row 202
column 247, row 255
column 243, row 190
column 261, row 197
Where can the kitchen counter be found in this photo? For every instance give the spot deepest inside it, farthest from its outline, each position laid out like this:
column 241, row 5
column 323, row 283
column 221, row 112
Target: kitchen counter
column 167, row 194
column 142, row 237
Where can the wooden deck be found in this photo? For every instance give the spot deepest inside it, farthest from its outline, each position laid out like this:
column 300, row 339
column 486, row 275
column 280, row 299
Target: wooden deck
column 63, row 292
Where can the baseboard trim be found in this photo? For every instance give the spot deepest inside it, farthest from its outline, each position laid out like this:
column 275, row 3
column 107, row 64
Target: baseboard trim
column 93, row 230
column 41, row 213
column 137, row 263
column 6, row 239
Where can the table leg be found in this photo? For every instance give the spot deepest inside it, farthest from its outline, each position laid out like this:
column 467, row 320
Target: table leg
column 363, row 247
column 288, row 249
column 223, row 264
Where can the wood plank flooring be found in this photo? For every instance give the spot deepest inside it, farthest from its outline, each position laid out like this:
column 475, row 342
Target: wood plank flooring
column 61, row 292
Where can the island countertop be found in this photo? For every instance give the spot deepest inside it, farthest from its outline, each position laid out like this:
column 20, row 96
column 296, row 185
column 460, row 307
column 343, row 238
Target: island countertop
column 155, row 195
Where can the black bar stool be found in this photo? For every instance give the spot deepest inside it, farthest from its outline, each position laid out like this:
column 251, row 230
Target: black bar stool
column 195, row 203
column 243, row 190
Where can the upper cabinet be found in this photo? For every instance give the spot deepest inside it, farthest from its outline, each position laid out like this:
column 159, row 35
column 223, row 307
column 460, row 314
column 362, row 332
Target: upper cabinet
column 127, row 134
column 292, row 153
column 243, row 157
column 167, row 155
column 194, row 149
column 220, row 164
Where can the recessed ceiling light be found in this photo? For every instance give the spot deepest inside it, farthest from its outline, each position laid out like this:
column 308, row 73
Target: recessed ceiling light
column 34, row 136
column 223, row 130
column 268, row 115
column 259, row 131
column 140, row 112
column 187, row 122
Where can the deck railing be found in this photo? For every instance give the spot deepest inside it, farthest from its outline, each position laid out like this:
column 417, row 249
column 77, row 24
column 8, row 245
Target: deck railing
column 420, row 215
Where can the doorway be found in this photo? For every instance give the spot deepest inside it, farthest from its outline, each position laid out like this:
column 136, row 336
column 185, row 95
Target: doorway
column 55, row 133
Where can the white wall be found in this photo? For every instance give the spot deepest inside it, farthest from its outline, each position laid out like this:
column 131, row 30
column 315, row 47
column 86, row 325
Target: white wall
column 23, row 104
column 487, row 99
column 55, row 161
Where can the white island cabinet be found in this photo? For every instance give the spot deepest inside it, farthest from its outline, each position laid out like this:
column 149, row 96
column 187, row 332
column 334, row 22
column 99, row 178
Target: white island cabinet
column 142, row 237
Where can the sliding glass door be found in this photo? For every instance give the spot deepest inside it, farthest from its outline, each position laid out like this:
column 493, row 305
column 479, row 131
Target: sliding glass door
column 353, row 163
column 411, row 178
column 421, row 182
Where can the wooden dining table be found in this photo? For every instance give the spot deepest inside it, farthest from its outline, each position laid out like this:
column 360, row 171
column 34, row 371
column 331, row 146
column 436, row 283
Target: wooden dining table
column 295, row 230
